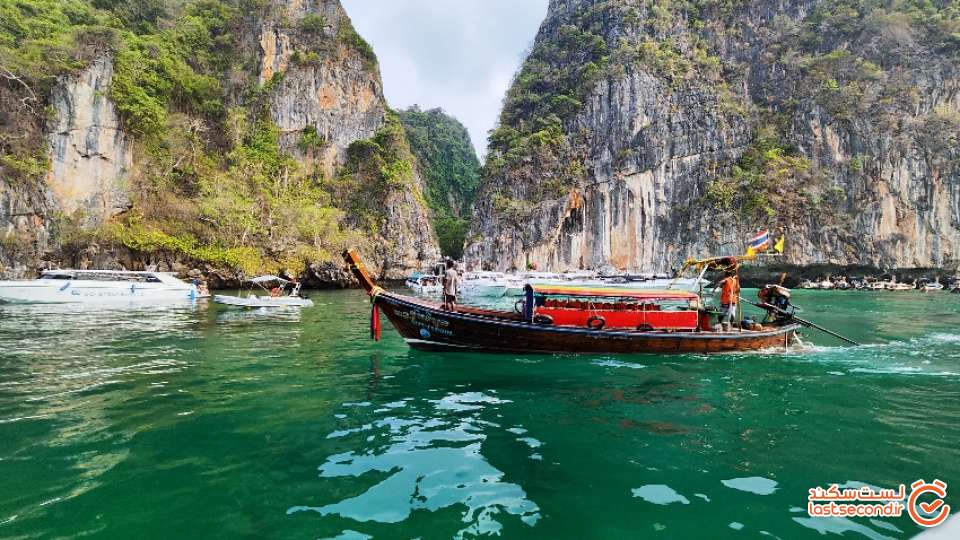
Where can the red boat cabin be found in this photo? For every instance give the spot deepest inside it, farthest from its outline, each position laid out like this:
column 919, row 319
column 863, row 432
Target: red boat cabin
column 611, row 308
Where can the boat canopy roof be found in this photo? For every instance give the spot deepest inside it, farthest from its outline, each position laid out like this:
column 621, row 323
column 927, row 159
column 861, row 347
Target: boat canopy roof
column 268, row 279
column 611, row 292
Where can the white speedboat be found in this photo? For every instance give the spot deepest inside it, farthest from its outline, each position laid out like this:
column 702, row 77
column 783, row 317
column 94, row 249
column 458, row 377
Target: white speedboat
column 424, row 284
column 483, row 284
column 97, row 286
column 275, row 297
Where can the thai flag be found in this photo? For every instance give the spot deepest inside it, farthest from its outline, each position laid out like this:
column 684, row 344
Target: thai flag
column 760, row 242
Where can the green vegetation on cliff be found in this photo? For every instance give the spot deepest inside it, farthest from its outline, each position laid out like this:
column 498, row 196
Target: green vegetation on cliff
column 451, row 172
column 784, row 72
column 211, row 181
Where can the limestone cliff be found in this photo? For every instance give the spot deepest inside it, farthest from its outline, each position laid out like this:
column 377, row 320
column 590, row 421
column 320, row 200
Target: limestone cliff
column 87, row 159
column 90, row 155
column 328, row 95
column 640, row 133
column 209, row 134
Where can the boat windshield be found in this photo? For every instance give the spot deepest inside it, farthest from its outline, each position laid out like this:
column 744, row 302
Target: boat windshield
column 92, row 275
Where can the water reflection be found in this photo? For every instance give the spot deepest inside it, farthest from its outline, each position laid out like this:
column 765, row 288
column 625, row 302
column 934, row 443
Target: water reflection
column 432, row 456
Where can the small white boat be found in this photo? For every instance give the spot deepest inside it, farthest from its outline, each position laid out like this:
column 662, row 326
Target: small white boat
column 97, row 286
column 894, row 285
column 275, row 297
column 424, row 284
column 932, row 286
column 483, row 284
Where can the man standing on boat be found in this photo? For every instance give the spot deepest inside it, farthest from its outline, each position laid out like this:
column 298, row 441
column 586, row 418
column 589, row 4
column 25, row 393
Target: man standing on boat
column 451, row 281
column 729, row 298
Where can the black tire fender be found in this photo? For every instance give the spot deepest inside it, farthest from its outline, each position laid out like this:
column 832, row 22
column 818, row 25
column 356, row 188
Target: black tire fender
column 543, row 319
column 596, row 322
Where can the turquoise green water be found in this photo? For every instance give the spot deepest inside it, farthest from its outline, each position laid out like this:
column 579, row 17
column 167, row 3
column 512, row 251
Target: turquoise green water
column 199, row 422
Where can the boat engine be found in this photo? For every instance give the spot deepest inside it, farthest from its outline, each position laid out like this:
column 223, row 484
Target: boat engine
column 778, row 297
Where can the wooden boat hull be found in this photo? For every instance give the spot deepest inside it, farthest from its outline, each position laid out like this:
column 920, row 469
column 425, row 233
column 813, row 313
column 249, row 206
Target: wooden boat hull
column 427, row 326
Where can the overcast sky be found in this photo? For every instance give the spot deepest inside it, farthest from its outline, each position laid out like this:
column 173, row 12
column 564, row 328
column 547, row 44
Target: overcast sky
column 459, row 55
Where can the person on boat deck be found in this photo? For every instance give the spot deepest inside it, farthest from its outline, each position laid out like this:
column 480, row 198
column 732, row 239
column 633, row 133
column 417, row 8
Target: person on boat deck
column 729, row 298
column 451, row 280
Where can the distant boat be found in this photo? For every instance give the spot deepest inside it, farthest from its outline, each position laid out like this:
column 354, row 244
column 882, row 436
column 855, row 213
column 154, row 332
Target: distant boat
column 97, row 286
column 932, row 286
column 424, row 283
column 275, row 297
column 878, row 285
column 483, row 285
column 894, row 285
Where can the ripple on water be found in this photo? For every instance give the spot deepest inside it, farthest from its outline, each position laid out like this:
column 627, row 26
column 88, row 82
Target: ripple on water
column 840, row 526
column 350, row 535
column 617, row 364
column 433, row 464
column 659, row 494
column 753, row 484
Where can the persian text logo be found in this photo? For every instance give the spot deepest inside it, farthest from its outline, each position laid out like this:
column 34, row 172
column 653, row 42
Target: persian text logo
column 864, row 501
column 930, row 514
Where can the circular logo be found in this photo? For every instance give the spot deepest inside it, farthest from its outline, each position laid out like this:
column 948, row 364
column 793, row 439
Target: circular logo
column 928, row 514
column 424, row 333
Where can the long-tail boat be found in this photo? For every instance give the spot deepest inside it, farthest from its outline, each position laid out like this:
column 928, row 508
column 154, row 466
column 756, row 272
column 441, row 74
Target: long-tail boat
column 554, row 319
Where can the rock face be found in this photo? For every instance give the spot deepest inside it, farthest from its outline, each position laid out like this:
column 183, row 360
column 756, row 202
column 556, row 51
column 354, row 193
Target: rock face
column 689, row 130
column 450, row 169
column 22, row 228
column 303, row 88
column 333, row 94
column 90, row 155
column 334, row 91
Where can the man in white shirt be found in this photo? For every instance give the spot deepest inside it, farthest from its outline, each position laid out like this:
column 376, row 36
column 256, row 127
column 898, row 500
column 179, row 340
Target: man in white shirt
column 451, row 281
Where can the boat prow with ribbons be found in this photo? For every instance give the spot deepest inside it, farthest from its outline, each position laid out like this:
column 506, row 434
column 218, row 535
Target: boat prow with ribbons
column 562, row 319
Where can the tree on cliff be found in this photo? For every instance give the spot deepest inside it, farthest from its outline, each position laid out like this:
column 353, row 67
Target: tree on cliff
column 451, row 171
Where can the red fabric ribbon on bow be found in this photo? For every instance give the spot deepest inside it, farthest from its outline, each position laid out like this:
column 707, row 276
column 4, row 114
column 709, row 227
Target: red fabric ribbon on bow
column 375, row 323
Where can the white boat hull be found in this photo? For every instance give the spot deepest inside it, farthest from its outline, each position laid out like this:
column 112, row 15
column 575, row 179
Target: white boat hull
column 483, row 291
column 263, row 301
column 43, row 291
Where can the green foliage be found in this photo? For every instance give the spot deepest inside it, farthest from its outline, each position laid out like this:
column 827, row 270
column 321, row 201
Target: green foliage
column 313, row 23
column 766, row 183
column 933, row 23
column 254, row 209
column 551, row 87
column 348, row 36
column 310, row 139
column 173, row 69
column 849, row 55
column 21, row 166
column 450, row 168
column 451, row 232
column 375, row 167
